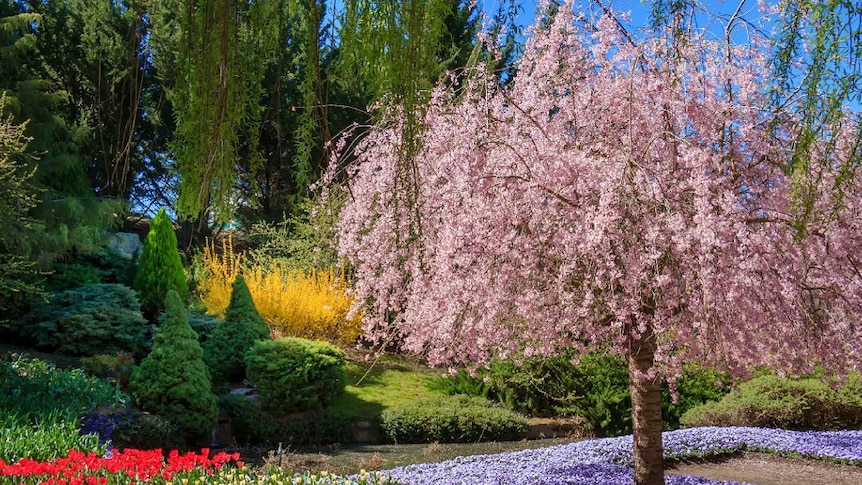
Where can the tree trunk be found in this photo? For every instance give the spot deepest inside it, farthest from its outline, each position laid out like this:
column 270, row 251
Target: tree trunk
column 646, row 410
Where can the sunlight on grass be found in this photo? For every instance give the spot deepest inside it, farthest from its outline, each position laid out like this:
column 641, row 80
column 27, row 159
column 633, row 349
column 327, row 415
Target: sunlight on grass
column 386, row 385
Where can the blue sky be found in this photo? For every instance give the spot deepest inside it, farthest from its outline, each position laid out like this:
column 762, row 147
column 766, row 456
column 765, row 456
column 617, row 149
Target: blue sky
column 712, row 14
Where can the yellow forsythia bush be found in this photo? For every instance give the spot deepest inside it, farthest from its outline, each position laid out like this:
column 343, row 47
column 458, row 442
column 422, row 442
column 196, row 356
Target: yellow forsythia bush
column 312, row 305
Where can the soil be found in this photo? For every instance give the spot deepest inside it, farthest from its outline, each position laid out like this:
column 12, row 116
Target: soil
column 765, row 469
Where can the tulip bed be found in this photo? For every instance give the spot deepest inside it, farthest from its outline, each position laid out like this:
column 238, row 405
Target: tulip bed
column 136, row 466
column 606, row 461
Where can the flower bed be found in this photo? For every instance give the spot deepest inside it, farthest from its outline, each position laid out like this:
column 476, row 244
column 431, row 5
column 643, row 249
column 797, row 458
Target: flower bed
column 609, row 460
column 137, row 466
column 606, row 461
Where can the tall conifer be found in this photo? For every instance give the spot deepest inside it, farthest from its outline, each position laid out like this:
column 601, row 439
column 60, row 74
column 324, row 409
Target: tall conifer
column 172, row 381
column 160, row 268
column 225, row 350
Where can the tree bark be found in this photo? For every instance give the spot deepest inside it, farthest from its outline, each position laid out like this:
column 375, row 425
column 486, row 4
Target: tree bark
column 646, row 410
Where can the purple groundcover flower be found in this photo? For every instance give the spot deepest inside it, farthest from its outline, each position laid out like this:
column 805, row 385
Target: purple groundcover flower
column 609, row 460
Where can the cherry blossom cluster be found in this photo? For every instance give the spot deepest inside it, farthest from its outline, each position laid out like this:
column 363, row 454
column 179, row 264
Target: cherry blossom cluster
column 617, row 188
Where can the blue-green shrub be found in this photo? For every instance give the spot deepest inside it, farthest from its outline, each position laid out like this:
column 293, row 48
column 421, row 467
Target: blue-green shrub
column 89, row 320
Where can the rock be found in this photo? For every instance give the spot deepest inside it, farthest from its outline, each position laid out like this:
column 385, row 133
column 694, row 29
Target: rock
column 126, row 244
column 243, row 391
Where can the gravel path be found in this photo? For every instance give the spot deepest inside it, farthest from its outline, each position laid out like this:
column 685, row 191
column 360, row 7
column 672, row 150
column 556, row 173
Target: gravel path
column 766, row 469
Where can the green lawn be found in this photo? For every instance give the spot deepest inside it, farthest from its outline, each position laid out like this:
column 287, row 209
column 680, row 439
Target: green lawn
column 375, row 386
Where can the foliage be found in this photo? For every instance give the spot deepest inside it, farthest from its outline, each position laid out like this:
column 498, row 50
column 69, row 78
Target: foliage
column 596, row 388
column 452, row 419
column 217, row 52
column 115, row 368
column 304, row 241
column 697, row 386
column 49, row 439
column 598, row 201
column 172, row 381
column 202, row 324
column 89, row 320
column 312, row 304
column 294, row 374
column 18, row 283
column 103, row 266
column 227, row 345
column 147, row 431
column 774, row 402
column 252, row 426
column 159, row 267
column 34, row 391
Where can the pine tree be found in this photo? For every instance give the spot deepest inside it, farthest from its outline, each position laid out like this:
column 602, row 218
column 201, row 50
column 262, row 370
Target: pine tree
column 172, row 381
column 160, row 268
column 242, row 326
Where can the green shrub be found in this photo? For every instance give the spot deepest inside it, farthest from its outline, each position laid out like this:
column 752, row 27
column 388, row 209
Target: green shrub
column 33, row 390
column 160, row 268
column 250, row 426
column 774, row 402
column 319, row 427
column 115, row 368
column 596, row 389
column 203, row 325
column 695, row 387
column 294, row 374
column 173, row 381
column 225, row 349
column 452, row 419
column 91, row 268
column 90, row 320
column 67, row 276
column 50, row 438
column 146, row 431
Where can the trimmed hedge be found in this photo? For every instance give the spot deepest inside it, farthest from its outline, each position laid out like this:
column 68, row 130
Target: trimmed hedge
column 773, row 402
column 295, row 374
column 452, row 419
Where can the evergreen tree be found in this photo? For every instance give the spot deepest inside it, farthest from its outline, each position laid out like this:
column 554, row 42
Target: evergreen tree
column 17, row 273
column 172, row 381
column 224, row 351
column 48, row 96
column 160, row 269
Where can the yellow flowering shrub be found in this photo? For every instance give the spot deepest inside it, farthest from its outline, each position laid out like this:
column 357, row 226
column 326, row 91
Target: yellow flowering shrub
column 294, row 303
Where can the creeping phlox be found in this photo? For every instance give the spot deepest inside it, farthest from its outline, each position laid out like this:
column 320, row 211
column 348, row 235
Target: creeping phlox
column 137, row 466
column 609, row 461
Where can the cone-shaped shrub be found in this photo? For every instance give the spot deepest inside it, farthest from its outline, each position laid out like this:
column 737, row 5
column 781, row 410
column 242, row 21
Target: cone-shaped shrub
column 225, row 349
column 173, row 381
column 160, row 268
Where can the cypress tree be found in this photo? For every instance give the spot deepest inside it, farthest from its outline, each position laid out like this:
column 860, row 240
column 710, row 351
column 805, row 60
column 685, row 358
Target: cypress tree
column 172, row 381
column 224, row 351
column 160, row 268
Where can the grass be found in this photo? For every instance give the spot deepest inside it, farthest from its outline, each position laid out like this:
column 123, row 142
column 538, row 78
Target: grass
column 375, row 386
